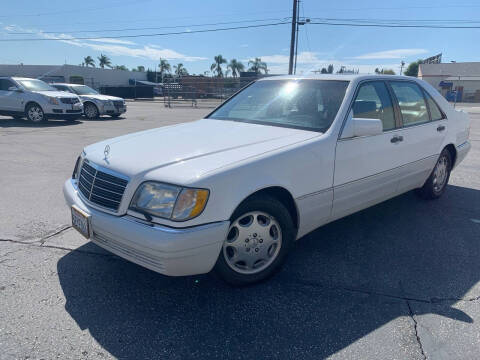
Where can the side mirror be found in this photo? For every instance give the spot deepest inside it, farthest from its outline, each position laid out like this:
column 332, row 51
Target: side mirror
column 361, row 127
column 14, row 88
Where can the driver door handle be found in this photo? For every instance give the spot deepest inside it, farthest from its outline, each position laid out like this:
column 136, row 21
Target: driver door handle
column 396, row 139
column 440, row 128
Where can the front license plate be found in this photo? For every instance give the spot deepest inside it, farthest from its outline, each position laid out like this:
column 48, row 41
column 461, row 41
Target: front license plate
column 81, row 221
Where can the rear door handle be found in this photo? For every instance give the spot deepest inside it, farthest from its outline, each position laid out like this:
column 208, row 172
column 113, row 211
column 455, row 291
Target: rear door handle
column 396, row 139
column 440, row 128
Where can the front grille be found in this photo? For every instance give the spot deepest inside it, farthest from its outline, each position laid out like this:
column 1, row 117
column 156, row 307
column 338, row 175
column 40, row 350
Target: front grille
column 69, row 100
column 118, row 103
column 101, row 188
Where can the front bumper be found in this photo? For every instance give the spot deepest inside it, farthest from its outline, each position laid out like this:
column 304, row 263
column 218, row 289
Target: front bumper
column 169, row 251
column 113, row 110
column 63, row 111
column 462, row 151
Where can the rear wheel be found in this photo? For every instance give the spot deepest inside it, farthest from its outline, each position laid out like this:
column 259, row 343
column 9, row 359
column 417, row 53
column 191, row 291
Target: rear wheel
column 90, row 110
column 34, row 113
column 260, row 236
column 436, row 183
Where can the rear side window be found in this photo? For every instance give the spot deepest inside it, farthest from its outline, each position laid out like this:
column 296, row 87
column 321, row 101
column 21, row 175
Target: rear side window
column 435, row 112
column 411, row 101
column 373, row 102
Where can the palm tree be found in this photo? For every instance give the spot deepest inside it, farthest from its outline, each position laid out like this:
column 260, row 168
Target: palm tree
column 180, row 70
column 88, row 61
column 103, row 61
column 236, row 66
column 164, row 67
column 257, row 66
column 217, row 65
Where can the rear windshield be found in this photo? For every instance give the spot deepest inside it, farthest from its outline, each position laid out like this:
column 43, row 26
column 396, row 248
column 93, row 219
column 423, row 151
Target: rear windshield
column 302, row 104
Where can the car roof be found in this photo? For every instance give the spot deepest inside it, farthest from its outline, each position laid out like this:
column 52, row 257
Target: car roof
column 336, row 77
column 66, row 84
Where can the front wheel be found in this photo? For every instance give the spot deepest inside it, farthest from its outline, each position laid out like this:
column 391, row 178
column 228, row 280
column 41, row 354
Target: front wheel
column 91, row 111
column 35, row 114
column 436, row 183
column 260, row 236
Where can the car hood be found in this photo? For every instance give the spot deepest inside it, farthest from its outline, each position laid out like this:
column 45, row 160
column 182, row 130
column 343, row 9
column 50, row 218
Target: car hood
column 56, row 94
column 99, row 97
column 205, row 145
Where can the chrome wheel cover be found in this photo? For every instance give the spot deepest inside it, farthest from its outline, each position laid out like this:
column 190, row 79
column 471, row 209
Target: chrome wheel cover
column 35, row 113
column 253, row 242
column 440, row 174
column 91, row 111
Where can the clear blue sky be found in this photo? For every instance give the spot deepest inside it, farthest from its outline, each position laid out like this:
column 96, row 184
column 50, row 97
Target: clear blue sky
column 319, row 45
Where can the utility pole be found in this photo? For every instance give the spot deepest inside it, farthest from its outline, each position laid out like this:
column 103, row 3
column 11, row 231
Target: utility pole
column 402, row 64
column 296, row 38
column 292, row 39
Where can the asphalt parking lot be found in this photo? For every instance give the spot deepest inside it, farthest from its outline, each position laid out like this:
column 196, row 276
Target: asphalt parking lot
column 400, row 280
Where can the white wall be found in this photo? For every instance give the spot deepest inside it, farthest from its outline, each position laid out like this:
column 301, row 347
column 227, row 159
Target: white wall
column 93, row 76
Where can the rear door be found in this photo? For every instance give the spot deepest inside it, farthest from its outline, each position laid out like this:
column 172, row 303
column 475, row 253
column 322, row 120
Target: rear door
column 424, row 127
column 367, row 168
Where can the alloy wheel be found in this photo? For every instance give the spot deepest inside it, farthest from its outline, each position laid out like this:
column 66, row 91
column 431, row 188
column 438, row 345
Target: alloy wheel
column 253, row 242
column 35, row 113
column 440, row 174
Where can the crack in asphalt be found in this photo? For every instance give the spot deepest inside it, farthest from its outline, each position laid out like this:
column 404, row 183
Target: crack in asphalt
column 415, row 323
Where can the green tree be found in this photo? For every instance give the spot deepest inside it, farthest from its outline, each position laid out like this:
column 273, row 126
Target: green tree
column 257, row 66
column 163, row 68
column 236, row 67
column 216, row 67
column 330, row 69
column 120, row 67
column 324, row 71
column 103, row 61
column 139, row 68
column 180, row 70
column 412, row 69
column 384, row 71
column 88, row 61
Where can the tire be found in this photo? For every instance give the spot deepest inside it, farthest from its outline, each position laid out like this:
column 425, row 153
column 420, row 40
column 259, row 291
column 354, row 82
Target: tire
column 259, row 239
column 436, row 183
column 90, row 110
column 35, row 114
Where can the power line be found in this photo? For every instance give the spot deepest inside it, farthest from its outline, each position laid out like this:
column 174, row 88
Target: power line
column 145, row 35
column 396, row 25
column 150, row 28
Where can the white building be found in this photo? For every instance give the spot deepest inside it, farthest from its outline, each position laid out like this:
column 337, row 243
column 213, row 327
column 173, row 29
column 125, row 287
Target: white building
column 463, row 77
column 94, row 77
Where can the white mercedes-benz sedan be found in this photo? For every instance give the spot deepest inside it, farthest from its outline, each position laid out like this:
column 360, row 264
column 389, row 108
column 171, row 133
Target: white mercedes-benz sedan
column 285, row 155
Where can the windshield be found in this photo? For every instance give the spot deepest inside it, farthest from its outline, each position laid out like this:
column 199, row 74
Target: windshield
column 302, row 104
column 36, row 85
column 84, row 90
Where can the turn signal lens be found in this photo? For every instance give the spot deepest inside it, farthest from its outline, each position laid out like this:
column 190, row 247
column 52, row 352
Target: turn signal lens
column 190, row 203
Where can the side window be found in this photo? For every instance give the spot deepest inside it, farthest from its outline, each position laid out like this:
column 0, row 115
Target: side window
column 373, row 102
column 5, row 84
column 60, row 87
column 411, row 101
column 435, row 112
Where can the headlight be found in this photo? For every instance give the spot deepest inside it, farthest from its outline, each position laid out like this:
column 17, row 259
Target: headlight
column 169, row 201
column 52, row 100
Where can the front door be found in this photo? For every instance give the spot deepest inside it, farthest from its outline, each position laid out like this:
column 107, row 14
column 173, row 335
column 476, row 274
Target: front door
column 367, row 167
column 10, row 100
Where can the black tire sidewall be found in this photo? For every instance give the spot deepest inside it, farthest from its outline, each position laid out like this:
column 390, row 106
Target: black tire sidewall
column 275, row 208
column 427, row 191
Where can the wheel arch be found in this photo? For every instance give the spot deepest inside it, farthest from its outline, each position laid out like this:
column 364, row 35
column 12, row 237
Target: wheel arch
column 282, row 195
column 32, row 102
column 453, row 153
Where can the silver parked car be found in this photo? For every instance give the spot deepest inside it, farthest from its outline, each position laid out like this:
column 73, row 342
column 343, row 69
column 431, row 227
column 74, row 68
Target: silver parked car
column 36, row 100
column 94, row 103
